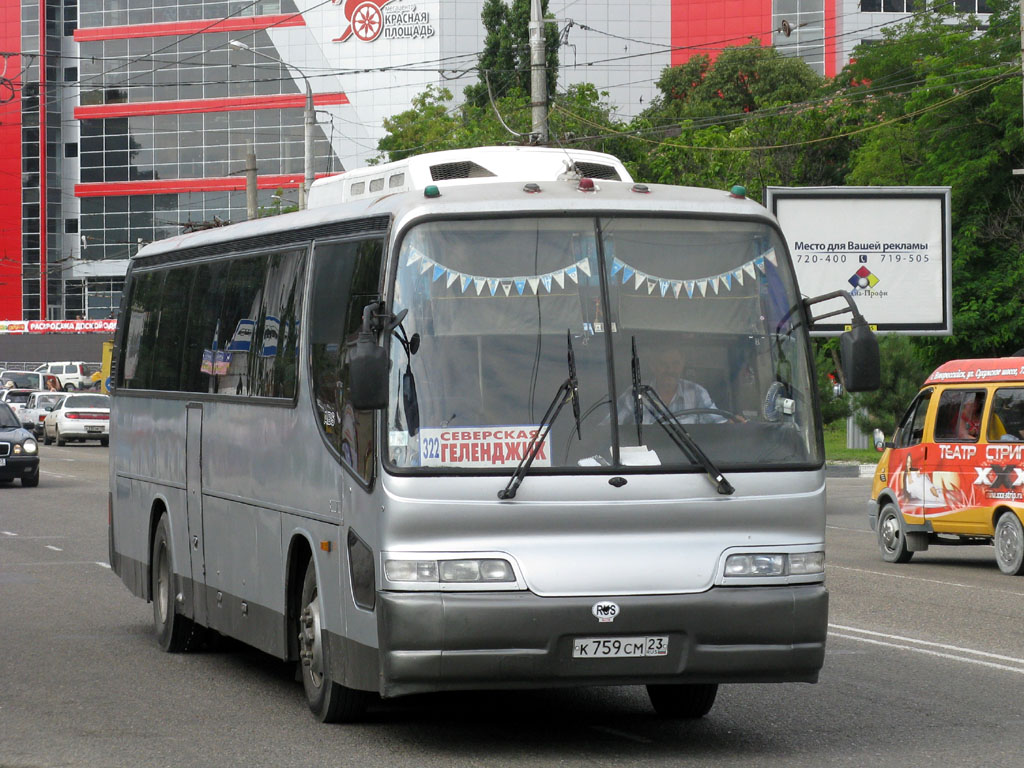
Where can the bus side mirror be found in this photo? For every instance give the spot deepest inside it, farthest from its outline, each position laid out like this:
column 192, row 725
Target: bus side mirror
column 858, row 356
column 368, row 368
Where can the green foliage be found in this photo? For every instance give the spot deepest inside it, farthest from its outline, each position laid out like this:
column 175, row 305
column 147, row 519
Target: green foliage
column 903, row 371
column 505, row 61
column 833, row 406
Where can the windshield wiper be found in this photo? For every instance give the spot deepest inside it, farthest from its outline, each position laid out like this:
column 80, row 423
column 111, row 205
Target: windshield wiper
column 675, row 430
column 638, row 398
column 567, row 392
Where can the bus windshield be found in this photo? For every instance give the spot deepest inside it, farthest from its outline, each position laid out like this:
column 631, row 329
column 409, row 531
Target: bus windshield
column 685, row 320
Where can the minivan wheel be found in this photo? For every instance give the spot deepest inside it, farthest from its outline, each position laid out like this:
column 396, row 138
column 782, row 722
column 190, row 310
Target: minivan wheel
column 1009, row 542
column 892, row 538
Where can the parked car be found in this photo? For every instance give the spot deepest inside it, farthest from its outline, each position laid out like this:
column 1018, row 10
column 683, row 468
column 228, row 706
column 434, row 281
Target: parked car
column 78, row 417
column 70, row 374
column 19, row 451
column 34, row 380
column 15, row 397
column 34, row 411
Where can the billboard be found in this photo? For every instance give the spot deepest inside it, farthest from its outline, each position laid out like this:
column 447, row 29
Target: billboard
column 890, row 247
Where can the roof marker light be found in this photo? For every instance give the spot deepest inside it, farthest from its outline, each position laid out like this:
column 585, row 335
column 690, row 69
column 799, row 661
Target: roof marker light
column 531, row 188
column 586, row 185
column 738, row 191
column 643, row 189
column 431, row 190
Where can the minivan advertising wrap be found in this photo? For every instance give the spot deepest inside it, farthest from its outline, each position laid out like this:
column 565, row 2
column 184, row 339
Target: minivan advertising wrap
column 954, row 470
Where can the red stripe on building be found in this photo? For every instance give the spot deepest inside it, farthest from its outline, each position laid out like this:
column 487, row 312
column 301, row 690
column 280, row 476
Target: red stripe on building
column 180, row 186
column 170, row 29
column 192, row 106
column 831, row 65
column 10, row 169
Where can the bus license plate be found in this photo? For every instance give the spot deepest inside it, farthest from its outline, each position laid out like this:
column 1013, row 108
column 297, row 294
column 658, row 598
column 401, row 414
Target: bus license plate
column 619, row 647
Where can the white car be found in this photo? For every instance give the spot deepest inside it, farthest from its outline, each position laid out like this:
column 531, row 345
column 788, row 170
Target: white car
column 78, row 417
column 34, row 380
column 71, row 374
column 15, row 397
column 34, row 411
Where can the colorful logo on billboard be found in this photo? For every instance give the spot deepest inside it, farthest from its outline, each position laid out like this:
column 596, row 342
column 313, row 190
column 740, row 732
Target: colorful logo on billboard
column 368, row 20
column 862, row 279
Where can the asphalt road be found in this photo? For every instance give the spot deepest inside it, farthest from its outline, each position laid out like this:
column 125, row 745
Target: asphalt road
column 925, row 668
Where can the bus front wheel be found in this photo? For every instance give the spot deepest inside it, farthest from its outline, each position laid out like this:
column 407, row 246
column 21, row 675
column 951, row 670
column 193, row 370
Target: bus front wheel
column 328, row 700
column 687, row 702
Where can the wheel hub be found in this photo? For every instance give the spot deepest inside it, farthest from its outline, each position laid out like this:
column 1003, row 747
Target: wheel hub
column 310, row 647
column 1008, row 544
column 890, row 533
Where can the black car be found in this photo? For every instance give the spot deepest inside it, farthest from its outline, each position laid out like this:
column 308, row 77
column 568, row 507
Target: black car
column 19, row 451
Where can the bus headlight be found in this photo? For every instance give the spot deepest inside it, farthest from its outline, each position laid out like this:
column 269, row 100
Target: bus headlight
column 467, row 571
column 758, row 564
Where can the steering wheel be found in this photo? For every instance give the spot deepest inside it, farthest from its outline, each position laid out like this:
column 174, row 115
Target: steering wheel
column 735, row 418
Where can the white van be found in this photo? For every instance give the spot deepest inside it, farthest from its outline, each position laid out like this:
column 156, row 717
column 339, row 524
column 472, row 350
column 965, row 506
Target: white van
column 70, row 374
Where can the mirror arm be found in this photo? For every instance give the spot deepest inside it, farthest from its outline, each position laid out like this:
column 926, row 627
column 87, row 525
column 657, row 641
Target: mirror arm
column 858, row 318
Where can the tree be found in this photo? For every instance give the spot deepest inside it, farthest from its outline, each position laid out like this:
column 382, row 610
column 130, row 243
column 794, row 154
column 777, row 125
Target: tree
column 505, row 61
column 903, row 369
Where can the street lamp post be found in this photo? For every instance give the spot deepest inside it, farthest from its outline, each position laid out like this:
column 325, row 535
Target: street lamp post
column 309, row 119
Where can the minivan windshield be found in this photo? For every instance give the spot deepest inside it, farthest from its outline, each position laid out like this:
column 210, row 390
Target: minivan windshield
column 670, row 319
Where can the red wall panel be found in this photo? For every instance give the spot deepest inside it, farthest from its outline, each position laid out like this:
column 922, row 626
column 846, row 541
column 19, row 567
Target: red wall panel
column 10, row 170
column 708, row 26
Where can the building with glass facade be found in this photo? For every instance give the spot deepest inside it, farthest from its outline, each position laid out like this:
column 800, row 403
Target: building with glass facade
column 128, row 121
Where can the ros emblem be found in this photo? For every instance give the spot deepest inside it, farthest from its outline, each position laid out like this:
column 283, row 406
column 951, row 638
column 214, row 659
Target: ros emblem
column 605, row 611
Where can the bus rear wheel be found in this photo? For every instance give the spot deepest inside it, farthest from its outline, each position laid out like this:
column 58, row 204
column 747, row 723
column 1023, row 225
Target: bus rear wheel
column 328, row 700
column 1009, row 542
column 682, row 701
column 174, row 633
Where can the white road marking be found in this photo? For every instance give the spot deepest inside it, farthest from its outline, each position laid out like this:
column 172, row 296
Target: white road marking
column 928, row 581
column 8, row 533
column 103, row 565
column 958, row 653
column 57, row 474
column 55, row 549
column 855, row 530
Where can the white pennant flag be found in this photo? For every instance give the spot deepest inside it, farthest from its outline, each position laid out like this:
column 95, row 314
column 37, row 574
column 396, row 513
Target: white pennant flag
column 584, row 265
column 739, row 276
column 534, row 283
column 506, row 287
column 452, row 277
column 479, row 284
column 559, row 278
column 714, row 282
column 425, row 265
column 703, row 285
column 414, row 256
column 640, row 277
column 749, row 269
column 770, row 255
column 677, row 286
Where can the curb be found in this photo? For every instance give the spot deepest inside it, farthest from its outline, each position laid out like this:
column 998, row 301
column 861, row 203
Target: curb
column 849, row 470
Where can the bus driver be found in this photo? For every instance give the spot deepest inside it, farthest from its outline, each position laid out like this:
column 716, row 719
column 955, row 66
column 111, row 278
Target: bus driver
column 679, row 394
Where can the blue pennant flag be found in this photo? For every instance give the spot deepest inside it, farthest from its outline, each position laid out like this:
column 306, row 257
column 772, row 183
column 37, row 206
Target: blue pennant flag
column 520, row 284
column 627, row 274
column 438, row 271
column 616, row 267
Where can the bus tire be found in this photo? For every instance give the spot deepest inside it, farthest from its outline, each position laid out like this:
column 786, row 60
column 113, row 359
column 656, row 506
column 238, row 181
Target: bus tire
column 1009, row 543
column 174, row 633
column 683, row 701
column 328, row 700
column 892, row 535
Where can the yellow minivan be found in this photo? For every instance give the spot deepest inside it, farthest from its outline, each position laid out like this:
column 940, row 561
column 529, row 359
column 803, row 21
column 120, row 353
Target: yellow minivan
column 953, row 473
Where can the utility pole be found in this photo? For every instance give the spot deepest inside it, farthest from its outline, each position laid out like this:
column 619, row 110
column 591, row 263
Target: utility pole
column 538, row 74
column 250, row 184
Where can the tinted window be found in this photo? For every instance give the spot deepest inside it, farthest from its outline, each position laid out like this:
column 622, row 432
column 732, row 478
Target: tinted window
column 170, row 333
column 142, row 318
column 1006, row 424
column 204, row 339
column 346, row 277
column 87, row 401
column 959, row 415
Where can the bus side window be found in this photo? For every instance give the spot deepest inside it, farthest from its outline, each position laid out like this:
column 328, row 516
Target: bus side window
column 143, row 314
column 346, row 277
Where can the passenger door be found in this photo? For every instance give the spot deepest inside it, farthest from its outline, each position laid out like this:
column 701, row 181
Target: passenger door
column 960, row 470
column 194, row 495
column 908, row 458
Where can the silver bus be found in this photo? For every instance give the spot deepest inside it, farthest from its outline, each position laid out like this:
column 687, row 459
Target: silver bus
column 481, row 434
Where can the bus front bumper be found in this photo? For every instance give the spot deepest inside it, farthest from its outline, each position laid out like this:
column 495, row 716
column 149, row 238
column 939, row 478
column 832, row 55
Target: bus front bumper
column 435, row 641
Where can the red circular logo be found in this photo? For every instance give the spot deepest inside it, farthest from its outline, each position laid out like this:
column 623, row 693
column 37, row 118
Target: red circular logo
column 367, row 21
